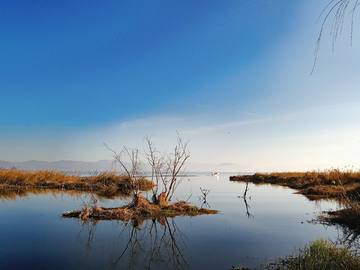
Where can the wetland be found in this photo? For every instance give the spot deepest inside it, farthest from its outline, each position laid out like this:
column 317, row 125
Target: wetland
column 269, row 225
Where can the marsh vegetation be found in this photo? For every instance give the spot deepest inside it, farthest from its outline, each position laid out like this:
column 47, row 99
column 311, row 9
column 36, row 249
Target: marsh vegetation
column 332, row 183
column 224, row 240
column 108, row 183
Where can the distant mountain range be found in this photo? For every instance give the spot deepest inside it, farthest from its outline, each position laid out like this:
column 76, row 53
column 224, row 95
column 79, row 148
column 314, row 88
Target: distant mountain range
column 109, row 165
column 105, row 165
column 62, row 165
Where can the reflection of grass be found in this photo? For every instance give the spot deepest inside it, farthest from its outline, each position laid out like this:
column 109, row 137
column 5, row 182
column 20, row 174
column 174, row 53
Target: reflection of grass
column 60, row 180
column 333, row 183
column 320, row 254
column 14, row 194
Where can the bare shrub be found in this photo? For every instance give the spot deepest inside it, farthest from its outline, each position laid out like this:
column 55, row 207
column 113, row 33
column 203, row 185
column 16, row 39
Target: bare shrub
column 166, row 168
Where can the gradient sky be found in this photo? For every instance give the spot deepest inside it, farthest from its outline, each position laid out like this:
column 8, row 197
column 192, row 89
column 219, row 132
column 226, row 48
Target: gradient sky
column 233, row 77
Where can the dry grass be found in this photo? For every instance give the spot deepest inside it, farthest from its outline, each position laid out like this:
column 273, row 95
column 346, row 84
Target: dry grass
column 332, row 183
column 45, row 177
column 106, row 181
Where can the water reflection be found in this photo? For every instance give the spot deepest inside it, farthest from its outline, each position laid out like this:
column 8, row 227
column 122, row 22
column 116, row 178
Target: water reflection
column 247, row 209
column 247, row 206
column 32, row 226
column 203, row 199
column 346, row 235
column 14, row 194
column 142, row 244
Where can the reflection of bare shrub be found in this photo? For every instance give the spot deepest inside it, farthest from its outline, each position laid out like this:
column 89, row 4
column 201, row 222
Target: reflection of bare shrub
column 150, row 244
column 203, row 198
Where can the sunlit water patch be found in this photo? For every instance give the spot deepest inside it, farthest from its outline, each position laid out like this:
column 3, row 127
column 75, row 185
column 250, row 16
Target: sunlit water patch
column 271, row 223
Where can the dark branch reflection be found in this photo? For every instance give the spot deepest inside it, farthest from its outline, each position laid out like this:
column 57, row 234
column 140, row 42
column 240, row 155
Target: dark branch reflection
column 142, row 244
column 247, row 206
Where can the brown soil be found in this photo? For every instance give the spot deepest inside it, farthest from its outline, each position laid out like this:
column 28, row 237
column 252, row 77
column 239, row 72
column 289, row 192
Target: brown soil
column 139, row 209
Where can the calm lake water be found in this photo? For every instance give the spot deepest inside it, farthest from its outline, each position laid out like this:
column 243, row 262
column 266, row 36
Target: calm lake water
column 34, row 236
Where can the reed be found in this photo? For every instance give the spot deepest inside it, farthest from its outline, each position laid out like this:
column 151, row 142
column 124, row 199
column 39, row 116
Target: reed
column 332, row 183
column 326, row 177
column 32, row 178
column 62, row 180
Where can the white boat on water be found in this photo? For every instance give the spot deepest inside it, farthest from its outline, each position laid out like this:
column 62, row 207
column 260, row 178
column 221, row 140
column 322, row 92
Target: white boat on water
column 216, row 174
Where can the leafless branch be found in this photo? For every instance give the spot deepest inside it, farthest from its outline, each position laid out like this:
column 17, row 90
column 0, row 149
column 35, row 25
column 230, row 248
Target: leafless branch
column 166, row 168
column 135, row 170
column 339, row 9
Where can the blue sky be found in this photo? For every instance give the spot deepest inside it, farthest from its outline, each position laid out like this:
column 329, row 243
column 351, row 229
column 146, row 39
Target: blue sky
column 233, row 77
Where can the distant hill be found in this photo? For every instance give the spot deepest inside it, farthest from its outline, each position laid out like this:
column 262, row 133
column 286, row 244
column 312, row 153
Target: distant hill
column 104, row 165
column 62, row 165
column 210, row 167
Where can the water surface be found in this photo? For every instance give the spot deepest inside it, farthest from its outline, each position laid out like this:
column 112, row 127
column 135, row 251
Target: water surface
column 34, row 236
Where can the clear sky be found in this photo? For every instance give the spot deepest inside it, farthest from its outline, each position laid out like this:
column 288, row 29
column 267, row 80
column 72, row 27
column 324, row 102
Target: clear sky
column 233, row 77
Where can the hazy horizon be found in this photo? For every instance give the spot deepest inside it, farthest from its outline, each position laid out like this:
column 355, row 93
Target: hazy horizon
column 109, row 165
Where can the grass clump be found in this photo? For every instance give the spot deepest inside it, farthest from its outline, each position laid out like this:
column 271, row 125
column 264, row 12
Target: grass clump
column 139, row 209
column 320, row 254
column 32, row 178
